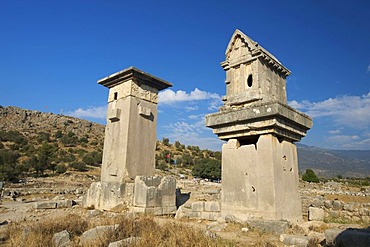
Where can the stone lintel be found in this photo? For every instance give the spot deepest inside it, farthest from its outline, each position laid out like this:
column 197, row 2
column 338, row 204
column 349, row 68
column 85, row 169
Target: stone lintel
column 271, row 118
column 135, row 74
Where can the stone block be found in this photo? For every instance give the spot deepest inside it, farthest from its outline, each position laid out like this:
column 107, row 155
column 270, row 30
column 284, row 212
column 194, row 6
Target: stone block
column 61, row 239
column 212, row 216
column 316, row 214
column 331, row 234
column 131, row 241
column 197, row 206
column 349, row 207
column 195, row 215
column 328, row 204
column 318, row 202
column 294, row 240
column 212, row 206
column 96, row 233
column 156, row 194
column 45, row 205
column 107, row 195
column 337, row 205
column 272, row 226
column 65, row 204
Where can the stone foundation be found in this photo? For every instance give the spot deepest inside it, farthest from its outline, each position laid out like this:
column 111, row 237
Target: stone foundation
column 260, row 180
column 107, row 195
column 155, row 195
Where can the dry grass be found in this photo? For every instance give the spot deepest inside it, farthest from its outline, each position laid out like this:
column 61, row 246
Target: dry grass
column 41, row 233
column 144, row 228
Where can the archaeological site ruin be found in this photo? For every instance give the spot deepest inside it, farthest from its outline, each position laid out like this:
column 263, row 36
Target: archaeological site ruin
column 259, row 158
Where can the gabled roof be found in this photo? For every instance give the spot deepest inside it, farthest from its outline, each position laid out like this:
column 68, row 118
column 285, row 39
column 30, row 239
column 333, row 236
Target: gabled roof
column 256, row 51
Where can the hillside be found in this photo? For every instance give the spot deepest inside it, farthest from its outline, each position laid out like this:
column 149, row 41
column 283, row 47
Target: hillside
column 34, row 141
column 331, row 163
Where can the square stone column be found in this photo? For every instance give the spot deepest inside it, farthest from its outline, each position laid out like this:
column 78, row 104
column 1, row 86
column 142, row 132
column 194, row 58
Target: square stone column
column 130, row 134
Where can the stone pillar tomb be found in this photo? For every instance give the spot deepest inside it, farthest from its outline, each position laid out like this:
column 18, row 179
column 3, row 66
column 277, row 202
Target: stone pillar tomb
column 259, row 160
column 129, row 144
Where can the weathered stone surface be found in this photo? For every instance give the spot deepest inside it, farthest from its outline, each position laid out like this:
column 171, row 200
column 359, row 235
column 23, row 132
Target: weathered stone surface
column 155, row 195
column 68, row 203
column 294, row 240
column 337, row 205
column 131, row 241
column 212, row 206
column 261, row 180
column 45, row 205
column 61, row 239
column 316, row 214
column 331, row 234
column 96, row 233
column 197, row 206
column 107, row 195
column 277, row 227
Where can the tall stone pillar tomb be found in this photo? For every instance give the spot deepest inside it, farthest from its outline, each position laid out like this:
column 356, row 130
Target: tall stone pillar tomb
column 130, row 134
column 129, row 144
column 259, row 159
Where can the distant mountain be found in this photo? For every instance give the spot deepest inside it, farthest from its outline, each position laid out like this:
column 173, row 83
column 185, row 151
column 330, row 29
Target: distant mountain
column 331, row 163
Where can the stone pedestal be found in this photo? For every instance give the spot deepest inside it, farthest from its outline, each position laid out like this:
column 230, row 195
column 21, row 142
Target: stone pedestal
column 260, row 180
column 155, row 195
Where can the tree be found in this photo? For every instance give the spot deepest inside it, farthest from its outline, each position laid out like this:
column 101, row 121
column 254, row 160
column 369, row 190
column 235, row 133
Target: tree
column 93, row 159
column 166, row 141
column 9, row 169
column 310, row 176
column 207, row 168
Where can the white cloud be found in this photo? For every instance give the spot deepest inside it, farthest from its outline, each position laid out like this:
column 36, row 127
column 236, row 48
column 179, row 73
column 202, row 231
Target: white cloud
column 194, row 134
column 334, row 132
column 191, row 108
column 368, row 68
column 353, row 142
column 99, row 112
column 351, row 111
column 168, row 96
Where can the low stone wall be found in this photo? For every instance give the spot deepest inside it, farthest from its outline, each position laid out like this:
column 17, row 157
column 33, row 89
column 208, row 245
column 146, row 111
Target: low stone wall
column 200, row 210
column 338, row 211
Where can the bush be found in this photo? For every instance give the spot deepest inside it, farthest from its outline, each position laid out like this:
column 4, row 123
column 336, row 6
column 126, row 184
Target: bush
column 78, row 166
column 61, row 168
column 93, row 159
column 310, row 176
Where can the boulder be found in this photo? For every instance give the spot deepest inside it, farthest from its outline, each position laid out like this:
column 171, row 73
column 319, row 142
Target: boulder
column 61, row 239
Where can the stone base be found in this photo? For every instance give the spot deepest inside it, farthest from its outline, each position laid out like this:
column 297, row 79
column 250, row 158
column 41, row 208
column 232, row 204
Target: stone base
column 152, row 195
column 155, row 195
column 260, row 180
column 107, row 195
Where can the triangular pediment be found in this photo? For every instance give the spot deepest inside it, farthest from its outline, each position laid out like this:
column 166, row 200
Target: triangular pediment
column 240, row 45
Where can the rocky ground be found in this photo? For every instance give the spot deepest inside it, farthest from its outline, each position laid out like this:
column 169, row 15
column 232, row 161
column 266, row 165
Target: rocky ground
column 339, row 206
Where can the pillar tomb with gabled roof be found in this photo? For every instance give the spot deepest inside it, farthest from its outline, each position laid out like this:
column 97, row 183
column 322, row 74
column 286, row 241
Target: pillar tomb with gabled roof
column 259, row 158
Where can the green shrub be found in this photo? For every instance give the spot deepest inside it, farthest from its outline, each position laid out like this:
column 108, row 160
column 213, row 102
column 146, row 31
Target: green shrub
column 310, row 176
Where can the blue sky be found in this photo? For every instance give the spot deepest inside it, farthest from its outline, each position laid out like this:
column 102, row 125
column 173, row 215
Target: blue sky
column 53, row 53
